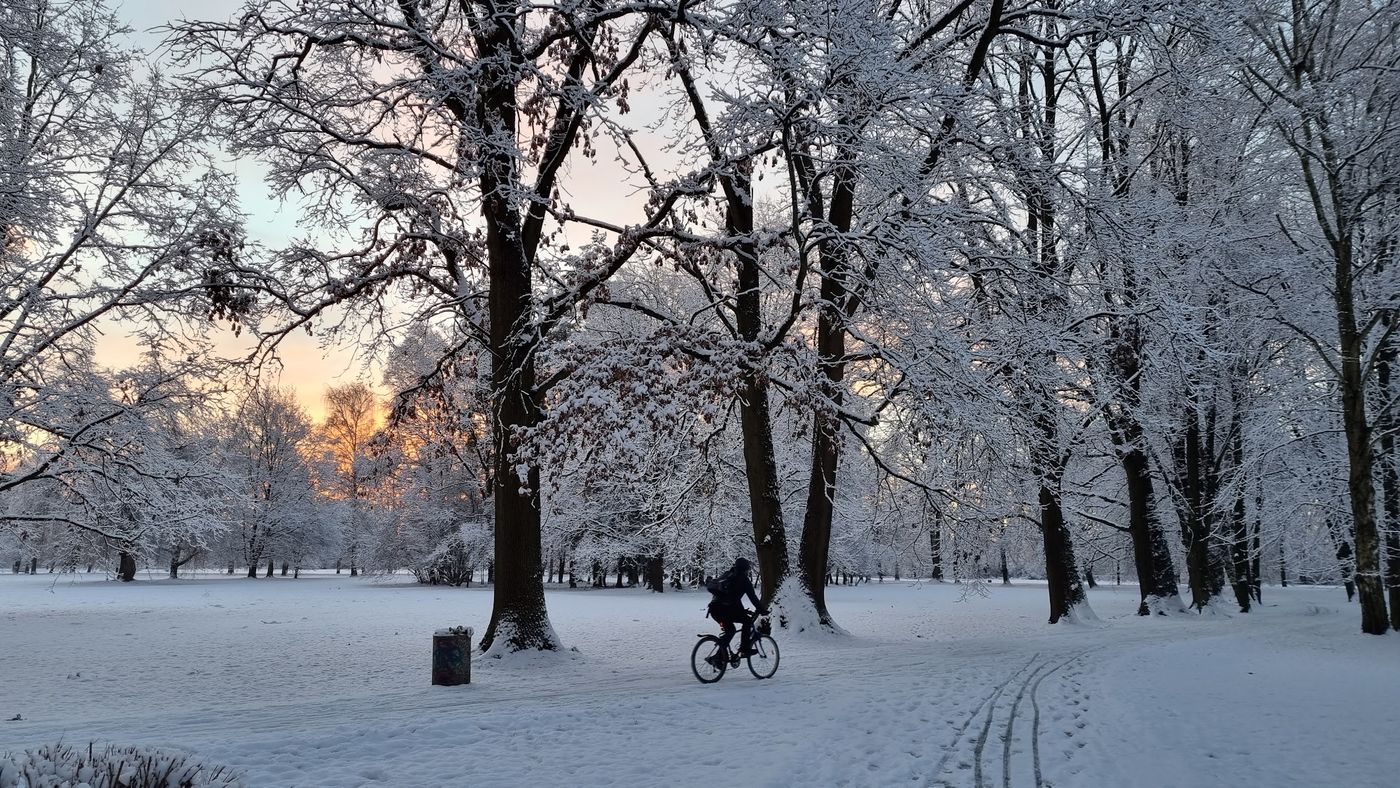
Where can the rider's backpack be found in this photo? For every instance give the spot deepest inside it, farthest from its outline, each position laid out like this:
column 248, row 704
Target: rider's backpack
column 715, row 586
column 725, row 587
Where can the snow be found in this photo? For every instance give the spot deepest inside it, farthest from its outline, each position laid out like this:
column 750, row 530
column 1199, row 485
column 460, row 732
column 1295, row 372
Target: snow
column 324, row 681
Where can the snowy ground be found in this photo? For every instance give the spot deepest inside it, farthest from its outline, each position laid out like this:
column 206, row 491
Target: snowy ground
column 323, row 681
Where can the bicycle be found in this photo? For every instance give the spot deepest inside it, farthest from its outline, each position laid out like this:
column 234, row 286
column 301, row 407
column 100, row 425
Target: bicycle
column 711, row 658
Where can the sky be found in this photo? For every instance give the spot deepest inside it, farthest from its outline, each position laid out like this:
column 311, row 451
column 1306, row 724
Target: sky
column 307, row 367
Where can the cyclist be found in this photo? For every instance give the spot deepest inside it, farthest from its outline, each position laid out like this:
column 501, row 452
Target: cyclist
column 727, row 606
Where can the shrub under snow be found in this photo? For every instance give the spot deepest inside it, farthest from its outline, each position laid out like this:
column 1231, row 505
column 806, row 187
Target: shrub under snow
column 66, row 766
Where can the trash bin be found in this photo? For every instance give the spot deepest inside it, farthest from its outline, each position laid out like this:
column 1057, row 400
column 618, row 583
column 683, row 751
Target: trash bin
column 452, row 656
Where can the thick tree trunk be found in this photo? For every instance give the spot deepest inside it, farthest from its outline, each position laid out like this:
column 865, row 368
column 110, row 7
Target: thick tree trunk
column 1360, row 458
column 836, row 306
column 176, row 561
column 656, row 572
column 765, row 498
column 814, row 553
column 518, row 613
column 1374, row 618
column 1061, row 575
column 271, row 567
column 1239, row 526
column 756, row 422
column 1390, row 475
column 1256, row 579
column 519, row 616
column 1152, row 557
column 1196, row 496
column 126, row 567
column 253, row 569
column 285, row 567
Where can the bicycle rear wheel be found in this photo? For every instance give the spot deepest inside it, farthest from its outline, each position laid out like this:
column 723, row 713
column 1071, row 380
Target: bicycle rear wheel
column 706, row 660
column 764, row 662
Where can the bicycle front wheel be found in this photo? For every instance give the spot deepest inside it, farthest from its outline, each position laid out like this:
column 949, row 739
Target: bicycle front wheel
column 707, row 660
column 763, row 663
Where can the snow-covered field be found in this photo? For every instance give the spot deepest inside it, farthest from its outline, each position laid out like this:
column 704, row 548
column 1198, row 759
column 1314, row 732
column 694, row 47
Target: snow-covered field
column 323, row 681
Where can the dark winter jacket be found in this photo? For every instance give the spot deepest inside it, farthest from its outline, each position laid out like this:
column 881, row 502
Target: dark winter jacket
column 732, row 587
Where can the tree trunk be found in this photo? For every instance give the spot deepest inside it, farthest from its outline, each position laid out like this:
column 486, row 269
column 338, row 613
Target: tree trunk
column 1346, row 556
column 253, row 568
column 1239, row 527
column 518, row 612
column 1196, row 495
column 1256, row 580
column 836, row 306
column 1152, row 557
column 1390, row 474
column 656, row 572
column 126, row 567
column 176, row 561
column 935, row 544
column 1062, row 577
column 1360, row 460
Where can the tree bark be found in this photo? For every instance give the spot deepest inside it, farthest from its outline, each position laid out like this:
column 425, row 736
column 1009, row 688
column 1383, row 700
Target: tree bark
column 1152, row 557
column 836, row 306
column 126, row 567
column 935, row 544
column 656, row 572
column 1360, row 459
column 1061, row 575
column 756, row 421
column 176, row 561
column 1239, row 526
column 1390, row 472
column 1346, row 556
column 1195, row 503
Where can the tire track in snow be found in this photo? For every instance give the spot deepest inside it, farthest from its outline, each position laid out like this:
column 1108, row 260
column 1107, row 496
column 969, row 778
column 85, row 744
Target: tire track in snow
column 1010, row 726
column 990, row 698
column 1035, row 717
